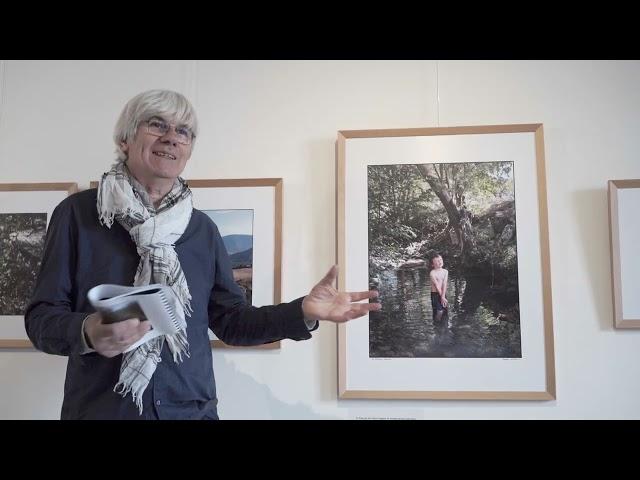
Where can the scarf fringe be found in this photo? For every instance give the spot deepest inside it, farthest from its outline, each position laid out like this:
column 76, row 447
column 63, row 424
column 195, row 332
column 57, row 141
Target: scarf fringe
column 178, row 345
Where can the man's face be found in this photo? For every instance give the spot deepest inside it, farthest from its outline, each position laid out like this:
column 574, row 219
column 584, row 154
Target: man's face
column 152, row 156
column 437, row 262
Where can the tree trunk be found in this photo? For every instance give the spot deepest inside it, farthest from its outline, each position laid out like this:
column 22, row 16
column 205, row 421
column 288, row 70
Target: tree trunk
column 458, row 217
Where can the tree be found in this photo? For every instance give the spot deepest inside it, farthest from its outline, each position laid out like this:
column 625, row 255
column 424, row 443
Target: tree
column 448, row 181
column 464, row 210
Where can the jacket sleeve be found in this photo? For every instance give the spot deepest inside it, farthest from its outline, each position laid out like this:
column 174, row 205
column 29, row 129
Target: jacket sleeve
column 50, row 323
column 236, row 323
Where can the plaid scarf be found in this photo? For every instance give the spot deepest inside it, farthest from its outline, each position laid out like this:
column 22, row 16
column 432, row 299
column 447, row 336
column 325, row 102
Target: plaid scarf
column 154, row 231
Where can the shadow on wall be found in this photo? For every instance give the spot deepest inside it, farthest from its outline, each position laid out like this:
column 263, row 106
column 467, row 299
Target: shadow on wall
column 241, row 397
column 592, row 216
column 37, row 395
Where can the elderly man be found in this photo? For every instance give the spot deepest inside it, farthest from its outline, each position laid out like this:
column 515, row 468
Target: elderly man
column 140, row 227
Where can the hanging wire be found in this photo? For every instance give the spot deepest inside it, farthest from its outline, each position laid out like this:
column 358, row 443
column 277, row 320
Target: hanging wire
column 438, row 91
column 3, row 85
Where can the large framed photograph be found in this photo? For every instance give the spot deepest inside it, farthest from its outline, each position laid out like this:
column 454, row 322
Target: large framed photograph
column 450, row 226
column 248, row 214
column 25, row 212
column 624, row 229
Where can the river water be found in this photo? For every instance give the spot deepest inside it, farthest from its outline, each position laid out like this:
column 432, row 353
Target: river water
column 480, row 323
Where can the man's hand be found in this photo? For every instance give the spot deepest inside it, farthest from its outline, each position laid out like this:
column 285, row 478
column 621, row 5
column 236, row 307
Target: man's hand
column 324, row 302
column 444, row 301
column 111, row 339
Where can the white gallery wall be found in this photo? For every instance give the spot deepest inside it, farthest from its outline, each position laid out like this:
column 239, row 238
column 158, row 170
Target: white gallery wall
column 280, row 119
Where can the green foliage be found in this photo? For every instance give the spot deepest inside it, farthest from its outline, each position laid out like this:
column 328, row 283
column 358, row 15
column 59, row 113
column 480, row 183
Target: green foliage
column 407, row 219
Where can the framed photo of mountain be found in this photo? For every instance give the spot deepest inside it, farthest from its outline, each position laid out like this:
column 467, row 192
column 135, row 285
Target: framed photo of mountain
column 248, row 214
column 25, row 212
column 450, row 226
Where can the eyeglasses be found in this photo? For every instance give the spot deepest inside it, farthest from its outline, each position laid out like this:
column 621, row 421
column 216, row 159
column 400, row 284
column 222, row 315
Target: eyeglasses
column 160, row 128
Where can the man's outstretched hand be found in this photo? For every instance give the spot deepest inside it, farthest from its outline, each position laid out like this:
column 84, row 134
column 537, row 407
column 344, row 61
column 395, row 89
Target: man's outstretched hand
column 324, row 302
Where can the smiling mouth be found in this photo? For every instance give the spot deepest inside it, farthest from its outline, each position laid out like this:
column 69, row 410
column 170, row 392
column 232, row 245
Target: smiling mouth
column 164, row 155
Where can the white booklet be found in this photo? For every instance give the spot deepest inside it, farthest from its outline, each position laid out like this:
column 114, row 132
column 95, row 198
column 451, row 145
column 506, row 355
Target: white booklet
column 155, row 303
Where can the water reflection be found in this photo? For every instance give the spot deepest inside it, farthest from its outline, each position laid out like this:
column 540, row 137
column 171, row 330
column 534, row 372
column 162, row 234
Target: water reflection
column 481, row 322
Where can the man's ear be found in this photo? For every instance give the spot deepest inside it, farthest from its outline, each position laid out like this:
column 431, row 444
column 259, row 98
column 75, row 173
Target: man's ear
column 124, row 147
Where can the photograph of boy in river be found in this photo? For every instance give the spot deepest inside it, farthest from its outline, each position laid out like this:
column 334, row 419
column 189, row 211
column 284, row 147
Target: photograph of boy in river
column 420, row 215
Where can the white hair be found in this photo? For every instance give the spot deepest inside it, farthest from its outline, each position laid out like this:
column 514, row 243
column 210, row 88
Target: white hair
column 172, row 106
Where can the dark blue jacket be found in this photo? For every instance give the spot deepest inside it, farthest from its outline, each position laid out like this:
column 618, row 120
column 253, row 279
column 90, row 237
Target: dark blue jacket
column 80, row 254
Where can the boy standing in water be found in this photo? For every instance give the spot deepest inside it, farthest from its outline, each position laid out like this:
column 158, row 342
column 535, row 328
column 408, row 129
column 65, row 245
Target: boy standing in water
column 439, row 277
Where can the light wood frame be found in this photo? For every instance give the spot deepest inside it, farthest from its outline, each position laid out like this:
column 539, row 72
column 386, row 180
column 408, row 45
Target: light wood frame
column 545, row 343
column 69, row 188
column 618, row 237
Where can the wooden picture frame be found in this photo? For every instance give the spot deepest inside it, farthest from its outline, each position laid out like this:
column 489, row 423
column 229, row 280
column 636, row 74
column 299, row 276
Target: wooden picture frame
column 25, row 212
column 458, row 184
column 262, row 197
column 624, row 239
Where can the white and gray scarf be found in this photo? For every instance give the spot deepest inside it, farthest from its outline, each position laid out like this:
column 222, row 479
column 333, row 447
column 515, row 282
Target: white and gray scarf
column 154, row 232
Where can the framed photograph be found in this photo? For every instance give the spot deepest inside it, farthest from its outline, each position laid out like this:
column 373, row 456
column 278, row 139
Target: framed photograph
column 248, row 213
column 450, row 226
column 624, row 229
column 25, row 212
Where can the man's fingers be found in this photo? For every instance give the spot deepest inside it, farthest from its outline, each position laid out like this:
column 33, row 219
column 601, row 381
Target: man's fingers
column 132, row 323
column 128, row 327
column 125, row 341
column 361, row 309
column 369, row 307
column 122, row 334
column 330, row 278
column 356, row 296
column 144, row 327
